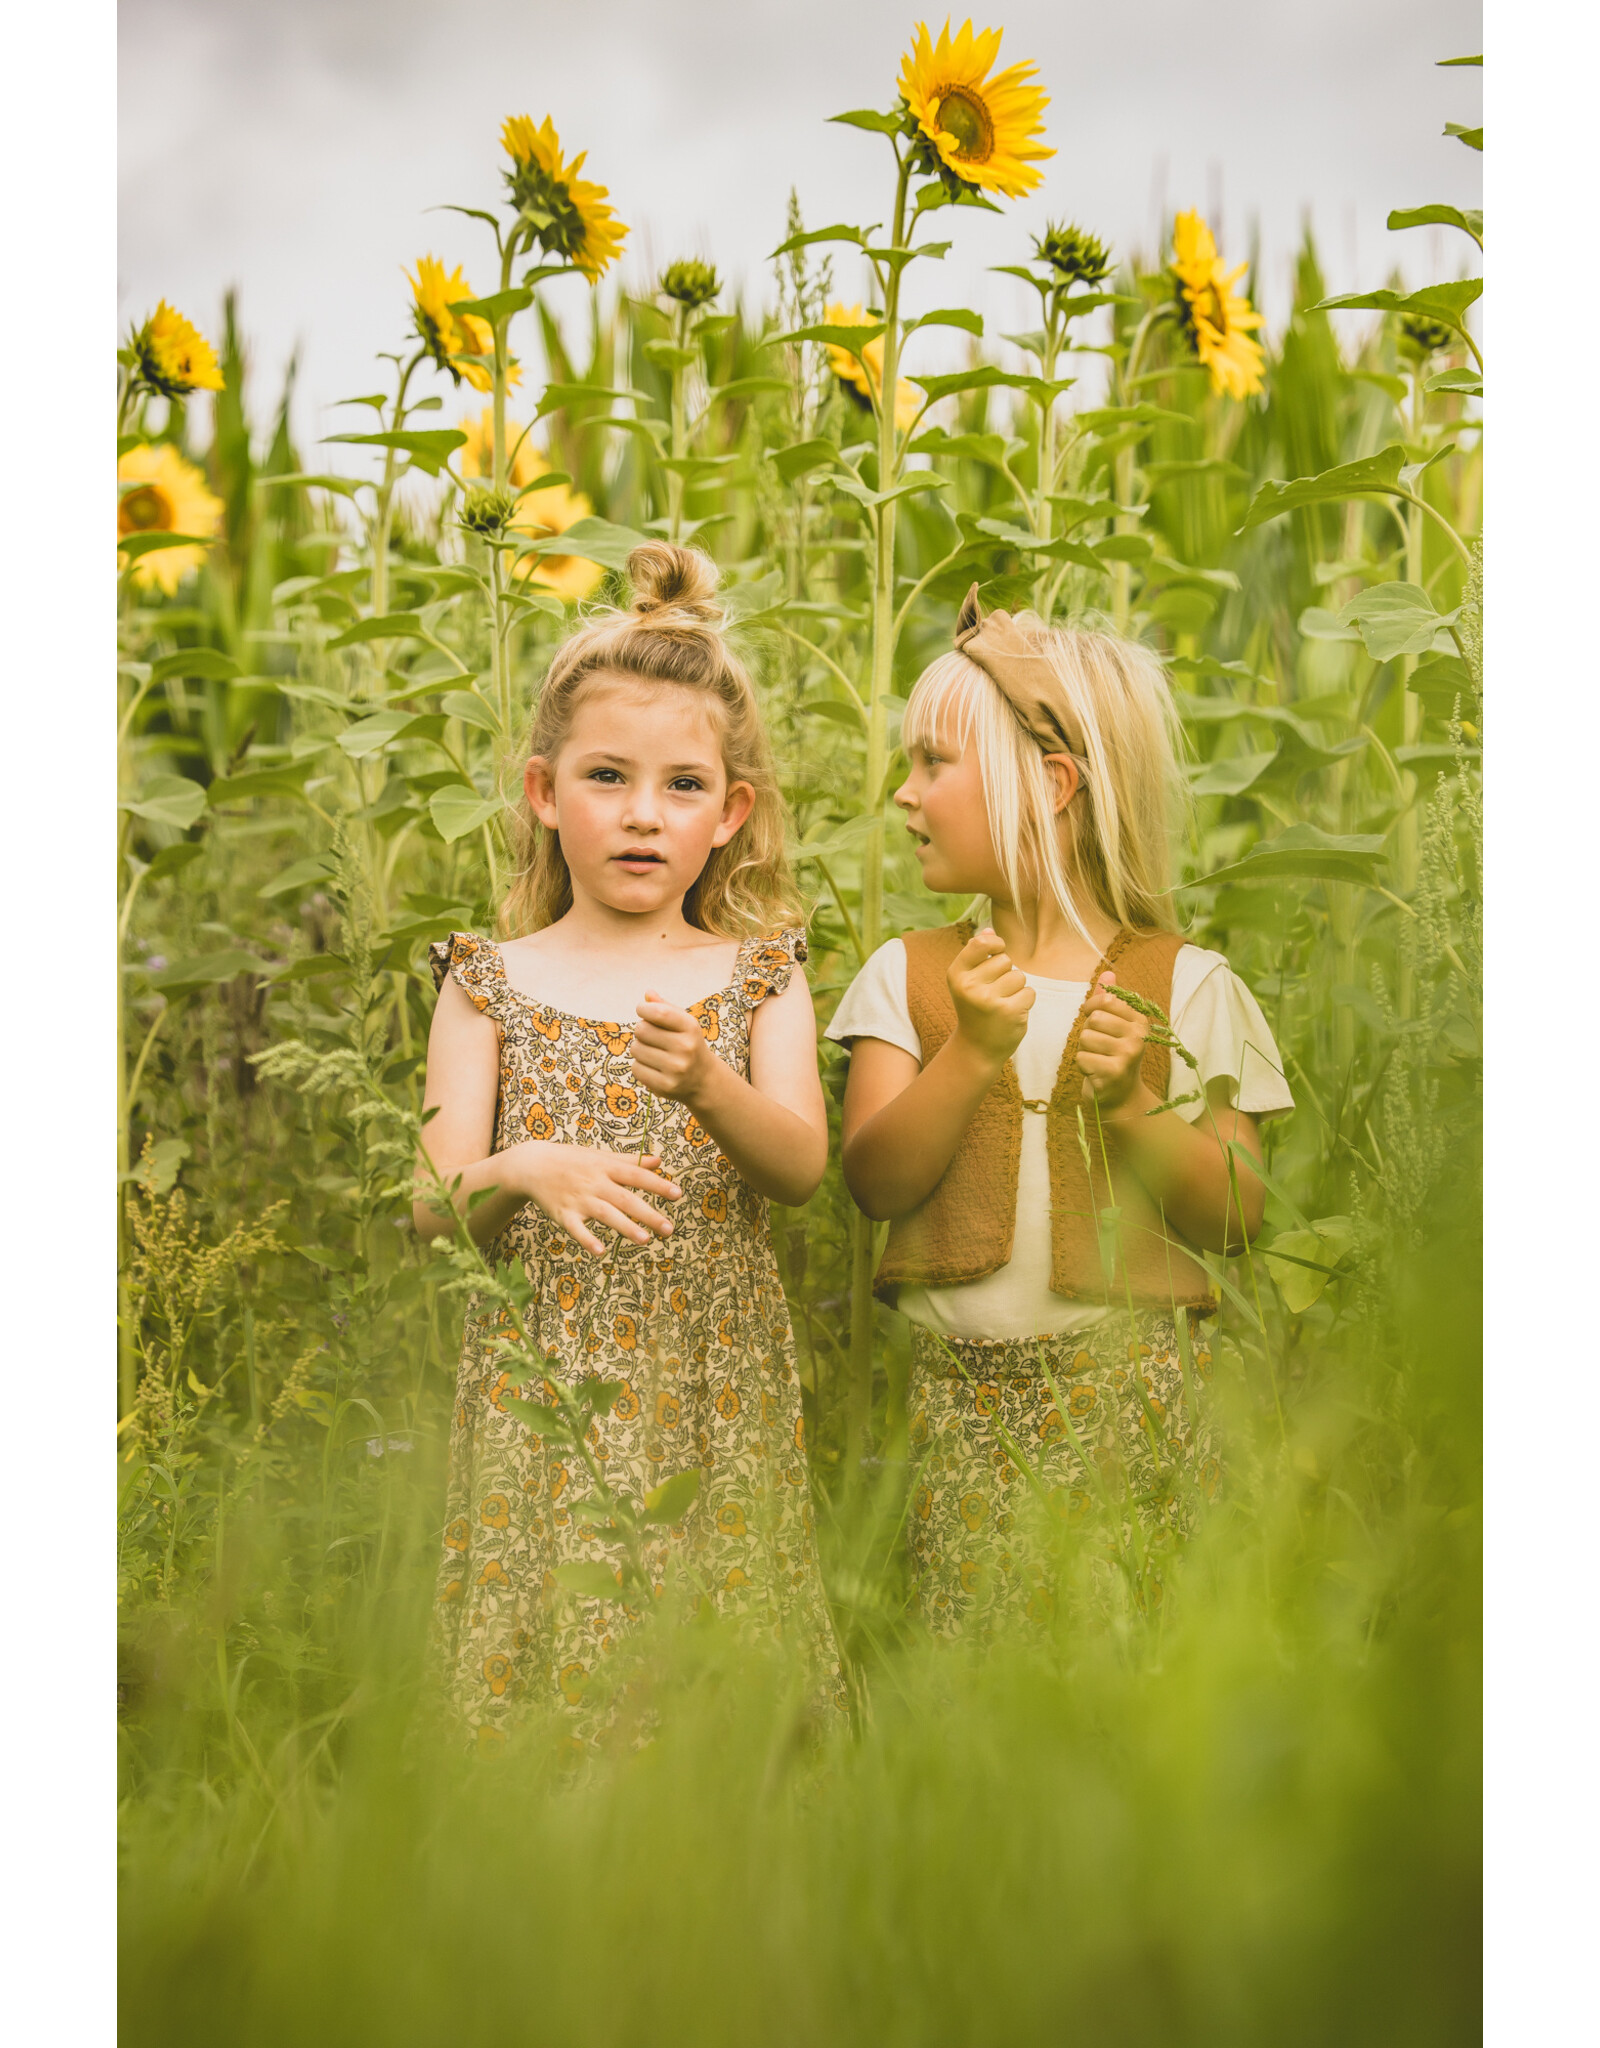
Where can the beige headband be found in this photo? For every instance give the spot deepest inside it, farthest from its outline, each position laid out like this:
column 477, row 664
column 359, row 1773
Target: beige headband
column 1006, row 649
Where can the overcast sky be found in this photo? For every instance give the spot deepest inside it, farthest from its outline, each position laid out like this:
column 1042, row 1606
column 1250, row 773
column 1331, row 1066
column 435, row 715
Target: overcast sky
column 293, row 147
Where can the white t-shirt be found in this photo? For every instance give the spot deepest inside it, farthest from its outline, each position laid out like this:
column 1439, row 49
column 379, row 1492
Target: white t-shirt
column 1214, row 1015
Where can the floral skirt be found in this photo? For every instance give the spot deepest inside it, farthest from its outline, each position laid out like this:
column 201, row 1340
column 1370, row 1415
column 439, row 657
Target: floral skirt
column 1022, row 1449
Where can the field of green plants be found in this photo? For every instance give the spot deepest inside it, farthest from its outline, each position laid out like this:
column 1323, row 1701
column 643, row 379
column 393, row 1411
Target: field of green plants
column 1250, row 1814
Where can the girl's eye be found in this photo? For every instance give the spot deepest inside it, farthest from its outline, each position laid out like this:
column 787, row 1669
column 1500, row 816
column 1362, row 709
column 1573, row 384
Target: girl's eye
column 686, row 782
column 604, row 775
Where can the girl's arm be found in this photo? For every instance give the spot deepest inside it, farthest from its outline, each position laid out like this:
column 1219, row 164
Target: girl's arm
column 902, row 1122
column 574, row 1185
column 1183, row 1165
column 774, row 1127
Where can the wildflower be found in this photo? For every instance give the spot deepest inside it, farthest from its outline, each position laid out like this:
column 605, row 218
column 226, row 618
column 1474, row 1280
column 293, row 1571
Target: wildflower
column 544, row 513
column 861, row 378
column 1422, row 338
column 447, row 334
column 161, row 493
column 172, row 357
column 690, row 283
column 567, row 215
column 1217, row 319
column 1075, row 256
column 974, row 129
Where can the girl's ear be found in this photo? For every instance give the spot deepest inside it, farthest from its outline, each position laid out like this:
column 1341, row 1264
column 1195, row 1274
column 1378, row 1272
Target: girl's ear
column 736, row 807
column 538, row 785
column 1064, row 773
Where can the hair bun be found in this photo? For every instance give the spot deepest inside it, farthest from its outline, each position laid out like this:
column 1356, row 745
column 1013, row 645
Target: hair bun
column 669, row 578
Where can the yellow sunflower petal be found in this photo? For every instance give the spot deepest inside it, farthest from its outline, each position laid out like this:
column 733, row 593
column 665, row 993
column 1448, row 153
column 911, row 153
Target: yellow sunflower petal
column 1220, row 319
column 582, row 227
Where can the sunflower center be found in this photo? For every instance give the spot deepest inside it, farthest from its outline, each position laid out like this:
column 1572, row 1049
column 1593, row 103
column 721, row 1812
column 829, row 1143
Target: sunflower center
column 145, row 510
column 965, row 116
column 1212, row 308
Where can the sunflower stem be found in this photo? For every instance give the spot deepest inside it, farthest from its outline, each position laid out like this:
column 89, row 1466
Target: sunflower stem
column 680, row 439
column 385, row 511
column 872, row 781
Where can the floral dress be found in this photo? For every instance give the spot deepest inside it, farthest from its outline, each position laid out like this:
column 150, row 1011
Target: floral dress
column 694, row 1327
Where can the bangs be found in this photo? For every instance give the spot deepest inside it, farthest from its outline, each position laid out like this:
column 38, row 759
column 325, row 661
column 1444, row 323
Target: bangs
column 944, row 702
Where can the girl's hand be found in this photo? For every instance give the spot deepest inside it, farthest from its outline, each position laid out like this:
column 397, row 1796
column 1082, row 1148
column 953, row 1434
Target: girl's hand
column 1111, row 1047
column 992, row 998
column 576, row 1185
column 670, row 1054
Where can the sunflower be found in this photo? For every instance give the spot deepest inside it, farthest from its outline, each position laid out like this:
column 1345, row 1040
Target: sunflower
column 172, row 356
column 862, row 378
column 448, row 335
column 546, row 512
column 983, row 131
column 1218, row 319
column 568, row 215
column 158, row 492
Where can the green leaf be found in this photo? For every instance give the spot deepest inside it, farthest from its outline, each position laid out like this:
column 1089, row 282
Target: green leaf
column 171, row 859
column 924, row 480
column 1308, row 854
column 1109, row 419
column 429, row 450
column 671, row 356
column 392, row 626
column 796, row 460
column 1302, row 1261
column 1234, row 774
column 372, row 735
column 535, row 1415
column 989, row 448
column 1472, row 137
column 160, row 1166
column 498, row 306
column 311, row 967
column 841, row 232
column 301, row 874
column 1468, row 381
column 1316, row 622
column 1393, row 388
column 204, row 971
column 1446, row 63
column 210, row 664
column 473, row 709
column 457, row 809
column 1470, row 223
column 948, row 316
column 670, row 1501
column 866, row 117
column 303, row 480
column 987, row 378
column 1446, row 302
column 138, row 544
column 558, row 395
column 746, row 387
column 852, row 339
column 170, row 800
column 592, row 540
column 591, row 1581
column 1395, row 619
column 1380, row 472
column 284, row 781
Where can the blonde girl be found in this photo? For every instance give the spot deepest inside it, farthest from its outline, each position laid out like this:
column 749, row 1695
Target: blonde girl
column 1049, row 1170
column 621, row 1088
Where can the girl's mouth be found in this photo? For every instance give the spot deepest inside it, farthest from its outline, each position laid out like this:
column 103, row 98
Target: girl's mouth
column 639, row 860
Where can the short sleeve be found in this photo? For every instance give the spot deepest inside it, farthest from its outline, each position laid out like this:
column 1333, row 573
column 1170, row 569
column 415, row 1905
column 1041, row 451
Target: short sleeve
column 473, row 964
column 1221, row 1023
column 874, row 1005
column 764, row 965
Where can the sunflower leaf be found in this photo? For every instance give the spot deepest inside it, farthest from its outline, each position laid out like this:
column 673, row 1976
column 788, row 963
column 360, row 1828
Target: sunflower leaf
column 1468, row 382
column 868, row 118
column 794, row 461
column 137, row 544
column 747, row 387
column 391, row 626
column 948, row 316
column 170, row 800
column 470, row 707
column 429, row 450
column 842, row 232
column 183, row 977
column 670, row 1501
column 1472, row 137
column 1395, row 619
column 924, row 480
column 498, row 306
column 1373, row 473
column 284, row 781
column 852, row 339
column 209, row 664
column 1306, row 853
column 346, row 486
column 591, row 540
column 457, row 809
column 1446, row 302
column 536, row 1416
column 558, row 395
column 1469, row 222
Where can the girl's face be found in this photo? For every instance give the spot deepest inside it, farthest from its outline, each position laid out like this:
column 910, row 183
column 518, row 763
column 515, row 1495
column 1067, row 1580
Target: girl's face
column 948, row 818
column 639, row 793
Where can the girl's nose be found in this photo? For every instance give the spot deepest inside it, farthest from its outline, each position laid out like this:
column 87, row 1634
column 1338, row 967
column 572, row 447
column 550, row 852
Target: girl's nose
column 902, row 798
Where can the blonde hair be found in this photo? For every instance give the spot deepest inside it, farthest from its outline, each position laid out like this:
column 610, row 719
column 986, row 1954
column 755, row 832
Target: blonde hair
column 1116, row 848
column 672, row 634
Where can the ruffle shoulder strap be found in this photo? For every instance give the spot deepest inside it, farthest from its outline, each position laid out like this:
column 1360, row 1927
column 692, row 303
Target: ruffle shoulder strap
column 474, row 965
column 765, row 964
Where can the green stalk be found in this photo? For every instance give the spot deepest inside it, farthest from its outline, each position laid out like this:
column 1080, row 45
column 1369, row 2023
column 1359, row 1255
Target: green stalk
column 1408, row 836
column 872, row 782
column 385, row 516
column 680, row 436
column 499, row 627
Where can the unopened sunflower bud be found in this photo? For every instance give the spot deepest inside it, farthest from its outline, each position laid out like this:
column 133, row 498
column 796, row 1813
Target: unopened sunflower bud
column 691, row 283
